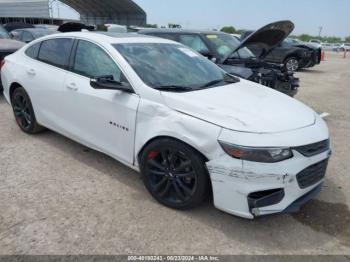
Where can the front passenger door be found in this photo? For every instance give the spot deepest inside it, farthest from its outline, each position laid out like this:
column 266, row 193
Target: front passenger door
column 102, row 119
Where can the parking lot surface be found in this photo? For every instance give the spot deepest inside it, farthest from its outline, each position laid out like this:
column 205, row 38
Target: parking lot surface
column 58, row 197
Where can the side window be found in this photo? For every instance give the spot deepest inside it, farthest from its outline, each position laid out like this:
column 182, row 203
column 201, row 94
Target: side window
column 27, row 37
column 92, row 61
column 194, row 42
column 33, row 51
column 56, row 51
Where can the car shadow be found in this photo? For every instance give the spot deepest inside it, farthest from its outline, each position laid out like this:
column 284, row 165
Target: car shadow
column 311, row 71
column 314, row 220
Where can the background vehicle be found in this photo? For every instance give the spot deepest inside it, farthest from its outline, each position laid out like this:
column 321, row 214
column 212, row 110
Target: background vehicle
column 29, row 34
column 327, row 46
column 336, row 47
column 113, row 28
column 234, row 57
column 3, row 33
column 344, row 47
column 17, row 25
column 181, row 120
column 293, row 54
column 7, row 47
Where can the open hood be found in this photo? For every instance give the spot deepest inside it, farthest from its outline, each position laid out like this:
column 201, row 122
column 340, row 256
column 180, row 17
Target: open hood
column 266, row 38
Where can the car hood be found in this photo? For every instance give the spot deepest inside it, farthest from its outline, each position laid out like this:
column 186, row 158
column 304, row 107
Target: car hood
column 10, row 45
column 267, row 37
column 244, row 107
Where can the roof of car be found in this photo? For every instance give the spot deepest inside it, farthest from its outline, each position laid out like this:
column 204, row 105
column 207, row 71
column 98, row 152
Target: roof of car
column 34, row 29
column 111, row 38
column 178, row 31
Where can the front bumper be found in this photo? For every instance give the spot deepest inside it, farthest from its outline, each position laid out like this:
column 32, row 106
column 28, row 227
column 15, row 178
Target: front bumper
column 235, row 182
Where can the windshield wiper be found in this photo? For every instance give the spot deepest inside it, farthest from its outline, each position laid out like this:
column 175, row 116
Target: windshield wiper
column 227, row 79
column 174, row 88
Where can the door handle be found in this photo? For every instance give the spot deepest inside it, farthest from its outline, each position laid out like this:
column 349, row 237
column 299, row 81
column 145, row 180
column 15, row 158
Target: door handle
column 31, row 72
column 72, row 87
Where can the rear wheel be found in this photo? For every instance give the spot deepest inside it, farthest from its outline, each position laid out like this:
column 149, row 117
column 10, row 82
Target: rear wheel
column 174, row 174
column 24, row 113
column 291, row 64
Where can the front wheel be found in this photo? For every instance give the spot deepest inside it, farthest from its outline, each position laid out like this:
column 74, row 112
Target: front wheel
column 174, row 174
column 291, row 64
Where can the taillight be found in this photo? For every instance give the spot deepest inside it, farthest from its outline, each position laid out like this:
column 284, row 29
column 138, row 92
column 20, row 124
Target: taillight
column 2, row 63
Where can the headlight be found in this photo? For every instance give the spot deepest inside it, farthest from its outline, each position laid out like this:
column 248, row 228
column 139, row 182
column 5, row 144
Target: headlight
column 257, row 154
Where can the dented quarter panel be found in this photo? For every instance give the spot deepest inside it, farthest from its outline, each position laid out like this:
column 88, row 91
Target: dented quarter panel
column 157, row 120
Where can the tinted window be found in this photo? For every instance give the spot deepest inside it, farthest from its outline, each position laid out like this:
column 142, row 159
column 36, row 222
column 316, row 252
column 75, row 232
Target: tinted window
column 33, row 51
column 27, row 37
column 225, row 44
column 4, row 33
column 56, row 51
column 92, row 61
column 195, row 42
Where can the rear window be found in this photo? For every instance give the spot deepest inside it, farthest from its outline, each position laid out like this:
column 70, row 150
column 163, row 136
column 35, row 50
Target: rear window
column 33, row 51
column 56, row 51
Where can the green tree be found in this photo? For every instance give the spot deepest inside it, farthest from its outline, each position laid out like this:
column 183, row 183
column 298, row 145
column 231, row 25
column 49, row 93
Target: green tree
column 151, row 26
column 229, row 30
column 347, row 39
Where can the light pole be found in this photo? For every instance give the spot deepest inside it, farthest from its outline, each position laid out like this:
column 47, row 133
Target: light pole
column 320, row 31
column 51, row 2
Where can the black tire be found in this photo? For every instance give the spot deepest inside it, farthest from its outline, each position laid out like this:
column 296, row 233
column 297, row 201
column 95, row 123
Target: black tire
column 24, row 112
column 174, row 173
column 291, row 64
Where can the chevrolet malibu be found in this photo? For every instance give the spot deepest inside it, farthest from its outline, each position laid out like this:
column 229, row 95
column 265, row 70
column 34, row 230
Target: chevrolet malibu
column 162, row 109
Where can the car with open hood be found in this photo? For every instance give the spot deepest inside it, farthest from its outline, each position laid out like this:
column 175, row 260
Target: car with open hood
column 292, row 54
column 190, row 128
column 234, row 57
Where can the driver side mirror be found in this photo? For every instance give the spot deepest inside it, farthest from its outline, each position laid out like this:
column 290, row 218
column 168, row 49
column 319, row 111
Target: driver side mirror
column 108, row 83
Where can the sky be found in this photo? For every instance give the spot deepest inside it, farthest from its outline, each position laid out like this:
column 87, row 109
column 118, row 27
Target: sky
column 308, row 15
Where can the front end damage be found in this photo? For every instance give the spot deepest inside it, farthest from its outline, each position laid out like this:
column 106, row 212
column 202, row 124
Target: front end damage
column 251, row 189
column 270, row 75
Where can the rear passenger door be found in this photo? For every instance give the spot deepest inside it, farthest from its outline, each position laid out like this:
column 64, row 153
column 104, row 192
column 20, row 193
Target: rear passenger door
column 45, row 72
column 102, row 119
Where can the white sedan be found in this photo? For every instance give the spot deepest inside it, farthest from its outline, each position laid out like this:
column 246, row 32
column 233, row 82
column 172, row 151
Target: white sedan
column 164, row 110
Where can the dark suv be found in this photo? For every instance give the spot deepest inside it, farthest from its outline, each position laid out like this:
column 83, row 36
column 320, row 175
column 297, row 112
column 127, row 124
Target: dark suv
column 235, row 58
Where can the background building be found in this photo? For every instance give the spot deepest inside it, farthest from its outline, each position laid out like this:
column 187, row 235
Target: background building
column 124, row 12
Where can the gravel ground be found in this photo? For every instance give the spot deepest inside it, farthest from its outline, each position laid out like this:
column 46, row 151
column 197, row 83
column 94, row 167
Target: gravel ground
column 58, row 197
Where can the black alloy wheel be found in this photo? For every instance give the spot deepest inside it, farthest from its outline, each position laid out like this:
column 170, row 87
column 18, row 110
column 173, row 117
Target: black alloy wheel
column 21, row 110
column 174, row 174
column 24, row 113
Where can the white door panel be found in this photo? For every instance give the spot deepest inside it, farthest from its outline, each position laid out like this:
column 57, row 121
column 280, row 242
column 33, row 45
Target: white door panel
column 104, row 119
column 45, row 85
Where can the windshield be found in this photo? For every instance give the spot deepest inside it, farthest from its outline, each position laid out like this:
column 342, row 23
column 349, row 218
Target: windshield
column 172, row 66
column 4, row 33
column 225, row 44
